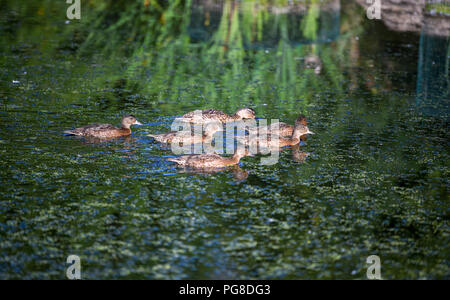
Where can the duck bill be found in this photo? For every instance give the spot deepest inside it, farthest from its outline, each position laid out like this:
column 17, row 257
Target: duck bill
column 310, row 132
column 138, row 123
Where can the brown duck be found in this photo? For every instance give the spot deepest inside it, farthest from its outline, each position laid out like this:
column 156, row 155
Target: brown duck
column 105, row 130
column 254, row 140
column 185, row 137
column 284, row 130
column 208, row 115
column 205, row 161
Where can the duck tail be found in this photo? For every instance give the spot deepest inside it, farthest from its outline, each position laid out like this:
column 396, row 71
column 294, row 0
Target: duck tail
column 71, row 132
column 156, row 137
column 176, row 160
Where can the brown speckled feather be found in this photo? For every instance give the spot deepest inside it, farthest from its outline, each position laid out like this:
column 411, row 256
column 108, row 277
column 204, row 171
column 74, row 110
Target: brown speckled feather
column 208, row 115
column 184, row 137
column 99, row 130
column 201, row 161
column 284, row 129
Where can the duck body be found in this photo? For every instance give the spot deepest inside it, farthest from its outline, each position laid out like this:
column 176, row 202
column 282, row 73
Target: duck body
column 186, row 137
column 105, row 130
column 281, row 129
column 99, row 130
column 208, row 161
column 274, row 141
column 209, row 115
column 177, row 136
column 180, row 137
column 269, row 143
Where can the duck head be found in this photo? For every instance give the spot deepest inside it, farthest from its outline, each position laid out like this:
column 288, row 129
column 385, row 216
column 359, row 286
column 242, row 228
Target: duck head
column 300, row 130
column 301, row 120
column 245, row 113
column 129, row 120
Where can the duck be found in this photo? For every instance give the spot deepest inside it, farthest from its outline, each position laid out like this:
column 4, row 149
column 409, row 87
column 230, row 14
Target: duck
column 284, row 130
column 186, row 137
column 208, row 115
column 210, row 160
column 255, row 140
column 105, row 130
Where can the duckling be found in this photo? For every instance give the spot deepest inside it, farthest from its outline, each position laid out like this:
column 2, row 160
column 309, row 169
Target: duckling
column 284, row 130
column 211, row 160
column 105, row 130
column 185, row 137
column 208, row 115
column 253, row 141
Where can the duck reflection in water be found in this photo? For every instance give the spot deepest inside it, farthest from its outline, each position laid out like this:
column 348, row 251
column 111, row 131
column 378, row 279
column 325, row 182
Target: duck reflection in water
column 299, row 155
column 124, row 141
column 239, row 174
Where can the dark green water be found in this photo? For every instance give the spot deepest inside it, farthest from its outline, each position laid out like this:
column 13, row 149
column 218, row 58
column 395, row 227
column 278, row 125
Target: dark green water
column 376, row 181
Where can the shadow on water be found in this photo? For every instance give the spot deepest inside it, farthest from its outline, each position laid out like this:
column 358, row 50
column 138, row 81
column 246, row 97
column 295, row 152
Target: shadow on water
column 373, row 179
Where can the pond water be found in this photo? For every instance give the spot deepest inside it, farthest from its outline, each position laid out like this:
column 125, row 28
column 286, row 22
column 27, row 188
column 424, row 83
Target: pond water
column 376, row 181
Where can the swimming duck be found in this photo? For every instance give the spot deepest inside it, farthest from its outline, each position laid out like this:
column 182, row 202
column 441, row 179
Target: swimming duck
column 105, row 130
column 284, row 130
column 185, row 137
column 208, row 115
column 211, row 160
column 254, row 140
